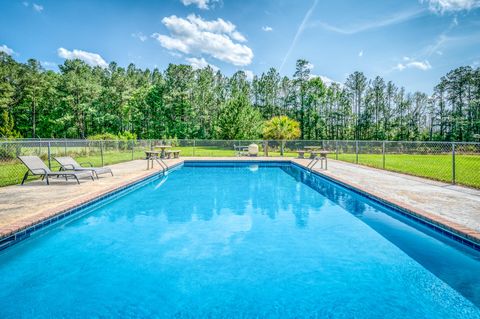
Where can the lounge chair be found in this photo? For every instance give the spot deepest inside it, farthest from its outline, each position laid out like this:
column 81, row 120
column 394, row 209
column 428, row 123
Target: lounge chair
column 37, row 167
column 68, row 163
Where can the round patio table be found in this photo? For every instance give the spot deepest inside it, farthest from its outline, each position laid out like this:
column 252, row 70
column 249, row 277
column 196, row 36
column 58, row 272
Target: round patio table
column 312, row 149
column 162, row 149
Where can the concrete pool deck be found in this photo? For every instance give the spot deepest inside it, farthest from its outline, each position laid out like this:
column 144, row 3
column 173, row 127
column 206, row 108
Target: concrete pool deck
column 454, row 207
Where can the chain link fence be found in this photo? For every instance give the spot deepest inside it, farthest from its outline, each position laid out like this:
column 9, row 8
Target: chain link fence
column 456, row 163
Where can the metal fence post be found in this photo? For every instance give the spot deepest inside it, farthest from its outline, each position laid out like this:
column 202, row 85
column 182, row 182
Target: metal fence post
column 356, row 151
column 193, row 147
column 336, row 149
column 383, row 154
column 65, row 146
column 133, row 147
column 101, row 151
column 453, row 163
column 49, row 157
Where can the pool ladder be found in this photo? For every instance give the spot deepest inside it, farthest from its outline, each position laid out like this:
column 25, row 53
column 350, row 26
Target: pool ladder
column 314, row 162
column 160, row 162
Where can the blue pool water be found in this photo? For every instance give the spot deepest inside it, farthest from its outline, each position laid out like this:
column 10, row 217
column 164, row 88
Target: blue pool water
column 239, row 241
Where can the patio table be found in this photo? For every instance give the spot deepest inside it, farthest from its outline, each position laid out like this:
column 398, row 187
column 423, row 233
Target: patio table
column 313, row 150
column 162, row 149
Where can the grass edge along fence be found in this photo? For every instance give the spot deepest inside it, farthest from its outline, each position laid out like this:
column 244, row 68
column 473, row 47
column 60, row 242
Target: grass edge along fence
column 451, row 162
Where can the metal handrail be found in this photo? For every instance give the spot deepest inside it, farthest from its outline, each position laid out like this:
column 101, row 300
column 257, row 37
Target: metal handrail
column 314, row 162
column 162, row 164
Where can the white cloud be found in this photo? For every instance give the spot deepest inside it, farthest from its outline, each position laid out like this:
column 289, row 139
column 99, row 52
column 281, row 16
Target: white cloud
column 92, row 59
column 7, row 50
column 249, row 74
column 25, row 3
column 326, row 80
column 413, row 64
column 139, row 35
column 49, row 65
column 200, row 64
column 442, row 6
column 201, row 4
column 217, row 26
column 267, row 28
column 37, row 7
column 360, row 54
column 216, row 38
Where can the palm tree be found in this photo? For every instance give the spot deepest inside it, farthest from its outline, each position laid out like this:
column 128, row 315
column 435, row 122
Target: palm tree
column 281, row 128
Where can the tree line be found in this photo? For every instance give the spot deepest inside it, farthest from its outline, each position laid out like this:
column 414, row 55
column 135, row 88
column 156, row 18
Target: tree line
column 80, row 101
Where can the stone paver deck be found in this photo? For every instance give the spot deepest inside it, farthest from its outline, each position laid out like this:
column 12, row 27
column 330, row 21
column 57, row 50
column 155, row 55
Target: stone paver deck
column 453, row 206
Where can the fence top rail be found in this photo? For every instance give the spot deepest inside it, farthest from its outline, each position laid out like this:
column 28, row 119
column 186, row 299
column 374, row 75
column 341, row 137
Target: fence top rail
column 30, row 141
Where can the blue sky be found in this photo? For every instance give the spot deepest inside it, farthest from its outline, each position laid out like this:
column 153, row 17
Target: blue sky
column 411, row 42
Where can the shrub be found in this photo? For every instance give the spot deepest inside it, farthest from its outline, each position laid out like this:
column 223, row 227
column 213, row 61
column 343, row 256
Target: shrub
column 103, row 137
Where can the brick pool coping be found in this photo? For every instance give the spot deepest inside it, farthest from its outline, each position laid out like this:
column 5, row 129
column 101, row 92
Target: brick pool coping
column 23, row 227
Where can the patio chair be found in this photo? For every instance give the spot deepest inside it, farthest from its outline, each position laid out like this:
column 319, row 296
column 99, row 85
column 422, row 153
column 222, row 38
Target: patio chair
column 37, row 167
column 68, row 163
column 240, row 150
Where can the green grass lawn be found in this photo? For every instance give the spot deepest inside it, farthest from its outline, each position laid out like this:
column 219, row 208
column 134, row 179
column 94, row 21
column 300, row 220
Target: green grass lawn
column 437, row 167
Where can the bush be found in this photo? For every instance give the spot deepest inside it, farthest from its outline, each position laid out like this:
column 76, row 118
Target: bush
column 127, row 136
column 103, row 137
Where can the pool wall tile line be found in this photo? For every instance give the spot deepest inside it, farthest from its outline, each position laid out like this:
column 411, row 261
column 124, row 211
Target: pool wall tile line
column 445, row 227
column 22, row 230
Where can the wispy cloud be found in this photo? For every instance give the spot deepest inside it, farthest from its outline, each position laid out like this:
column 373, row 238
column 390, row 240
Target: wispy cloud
column 360, row 54
column 267, row 28
column 300, row 29
column 420, row 60
column 440, row 42
column 37, row 7
column 369, row 25
column 413, row 64
column 139, row 35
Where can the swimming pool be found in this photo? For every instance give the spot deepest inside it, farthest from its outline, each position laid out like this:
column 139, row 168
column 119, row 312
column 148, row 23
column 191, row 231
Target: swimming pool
column 239, row 240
